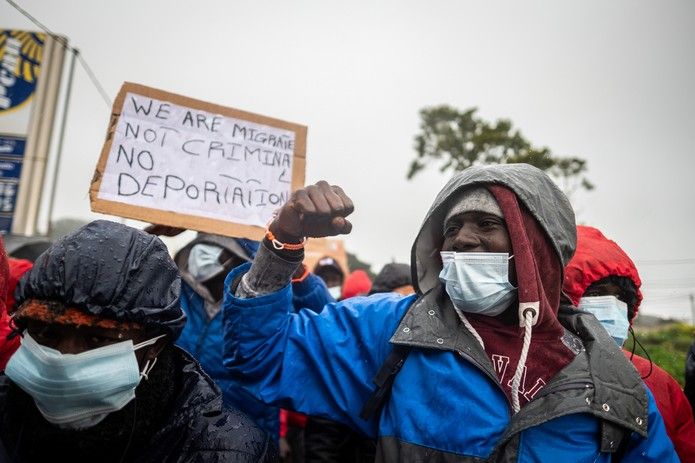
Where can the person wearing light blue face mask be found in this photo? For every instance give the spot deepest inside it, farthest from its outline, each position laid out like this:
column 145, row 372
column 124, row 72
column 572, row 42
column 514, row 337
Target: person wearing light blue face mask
column 602, row 280
column 483, row 363
column 97, row 377
column 203, row 264
column 329, row 270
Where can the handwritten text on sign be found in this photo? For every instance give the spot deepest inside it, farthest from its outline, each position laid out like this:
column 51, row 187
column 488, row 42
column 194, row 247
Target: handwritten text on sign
column 173, row 158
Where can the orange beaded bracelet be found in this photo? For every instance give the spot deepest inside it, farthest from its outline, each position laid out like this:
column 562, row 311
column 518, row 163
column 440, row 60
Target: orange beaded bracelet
column 279, row 246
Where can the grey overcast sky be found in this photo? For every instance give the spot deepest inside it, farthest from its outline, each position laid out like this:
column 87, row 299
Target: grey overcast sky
column 611, row 82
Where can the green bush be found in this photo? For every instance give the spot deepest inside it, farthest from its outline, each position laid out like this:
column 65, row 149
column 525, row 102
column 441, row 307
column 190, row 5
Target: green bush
column 667, row 347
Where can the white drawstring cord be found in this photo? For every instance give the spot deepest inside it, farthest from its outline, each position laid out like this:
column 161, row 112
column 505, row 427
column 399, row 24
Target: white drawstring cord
column 529, row 315
column 470, row 328
column 148, row 369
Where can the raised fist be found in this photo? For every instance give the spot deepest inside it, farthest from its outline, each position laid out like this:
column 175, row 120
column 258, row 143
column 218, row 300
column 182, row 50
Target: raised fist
column 314, row 211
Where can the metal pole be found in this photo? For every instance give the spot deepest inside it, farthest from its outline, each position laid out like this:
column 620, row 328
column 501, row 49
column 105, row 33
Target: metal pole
column 692, row 306
column 61, row 138
column 38, row 140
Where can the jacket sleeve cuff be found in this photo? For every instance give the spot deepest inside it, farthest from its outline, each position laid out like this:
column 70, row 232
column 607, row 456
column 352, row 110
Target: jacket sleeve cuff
column 268, row 273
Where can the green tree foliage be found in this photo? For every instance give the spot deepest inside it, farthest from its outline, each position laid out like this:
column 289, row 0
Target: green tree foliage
column 667, row 346
column 461, row 139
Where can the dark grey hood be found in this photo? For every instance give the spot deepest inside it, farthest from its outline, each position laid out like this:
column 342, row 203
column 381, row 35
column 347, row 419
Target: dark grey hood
column 535, row 190
column 111, row 271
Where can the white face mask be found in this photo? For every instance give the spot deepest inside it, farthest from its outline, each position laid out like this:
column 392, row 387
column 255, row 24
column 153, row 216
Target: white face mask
column 77, row 391
column 478, row 282
column 611, row 312
column 334, row 291
column 204, row 261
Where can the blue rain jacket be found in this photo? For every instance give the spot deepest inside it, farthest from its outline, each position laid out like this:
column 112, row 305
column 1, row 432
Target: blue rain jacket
column 446, row 403
column 442, row 407
column 202, row 338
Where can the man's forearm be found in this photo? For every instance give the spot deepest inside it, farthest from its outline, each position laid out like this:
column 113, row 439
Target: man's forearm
column 269, row 272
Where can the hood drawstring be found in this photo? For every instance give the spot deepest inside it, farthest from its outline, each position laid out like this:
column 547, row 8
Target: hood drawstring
column 528, row 318
column 528, row 312
column 470, row 328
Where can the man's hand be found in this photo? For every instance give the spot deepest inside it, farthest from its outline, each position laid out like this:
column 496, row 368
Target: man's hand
column 314, row 211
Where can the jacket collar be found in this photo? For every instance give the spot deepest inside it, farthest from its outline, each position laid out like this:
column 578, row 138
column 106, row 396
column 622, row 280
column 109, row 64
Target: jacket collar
column 432, row 323
column 619, row 395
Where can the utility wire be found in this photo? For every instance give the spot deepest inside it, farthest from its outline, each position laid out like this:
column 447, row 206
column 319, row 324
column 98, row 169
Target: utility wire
column 664, row 261
column 93, row 77
column 63, row 41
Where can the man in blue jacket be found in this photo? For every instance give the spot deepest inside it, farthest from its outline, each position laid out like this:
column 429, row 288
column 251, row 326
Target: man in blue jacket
column 481, row 364
column 204, row 264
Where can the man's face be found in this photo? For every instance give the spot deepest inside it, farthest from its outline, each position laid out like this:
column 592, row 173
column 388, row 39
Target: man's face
column 476, row 231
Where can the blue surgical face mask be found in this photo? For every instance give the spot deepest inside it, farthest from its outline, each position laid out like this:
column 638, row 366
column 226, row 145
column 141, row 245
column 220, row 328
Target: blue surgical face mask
column 204, row 261
column 611, row 312
column 478, row 282
column 77, row 391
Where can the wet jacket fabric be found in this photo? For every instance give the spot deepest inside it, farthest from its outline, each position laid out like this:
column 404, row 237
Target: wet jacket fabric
column 596, row 258
column 202, row 336
column 672, row 404
column 199, row 428
column 446, row 403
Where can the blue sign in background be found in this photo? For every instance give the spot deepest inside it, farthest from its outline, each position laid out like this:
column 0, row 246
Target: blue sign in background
column 11, row 157
column 23, row 83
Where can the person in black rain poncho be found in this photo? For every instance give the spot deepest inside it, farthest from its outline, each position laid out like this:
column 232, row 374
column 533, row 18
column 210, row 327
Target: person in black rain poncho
column 97, row 376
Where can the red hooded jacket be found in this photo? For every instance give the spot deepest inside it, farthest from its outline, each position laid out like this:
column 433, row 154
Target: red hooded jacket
column 8, row 282
column 596, row 258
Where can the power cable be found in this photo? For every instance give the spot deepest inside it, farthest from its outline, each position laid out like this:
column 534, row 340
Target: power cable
column 75, row 51
column 664, row 261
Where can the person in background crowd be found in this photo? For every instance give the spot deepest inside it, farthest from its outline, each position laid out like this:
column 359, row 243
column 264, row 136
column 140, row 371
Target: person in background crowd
column 97, row 376
column 204, row 263
column 292, row 427
column 603, row 280
column 393, row 277
column 356, row 284
column 25, row 247
column 329, row 270
column 9, row 343
column 329, row 441
column 481, row 364
column 689, row 388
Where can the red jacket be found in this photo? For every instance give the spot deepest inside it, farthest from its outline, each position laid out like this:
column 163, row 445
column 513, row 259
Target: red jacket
column 596, row 258
column 673, row 405
column 356, row 284
column 9, row 280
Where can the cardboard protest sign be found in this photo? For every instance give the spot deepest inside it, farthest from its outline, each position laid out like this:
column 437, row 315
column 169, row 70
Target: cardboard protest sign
column 177, row 161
